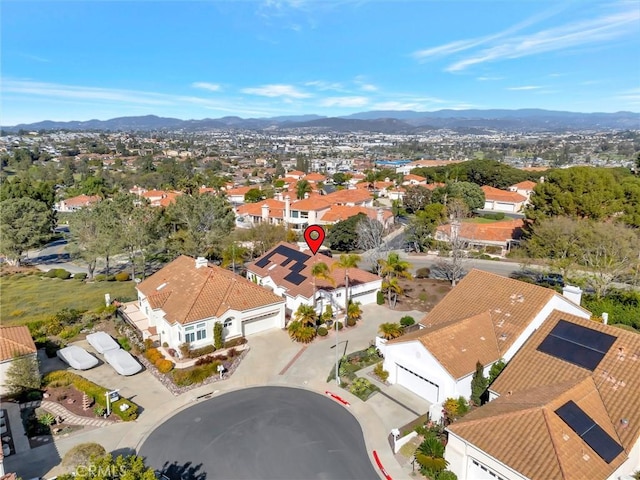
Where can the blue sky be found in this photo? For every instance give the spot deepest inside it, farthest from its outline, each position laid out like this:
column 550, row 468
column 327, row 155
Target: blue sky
column 78, row 60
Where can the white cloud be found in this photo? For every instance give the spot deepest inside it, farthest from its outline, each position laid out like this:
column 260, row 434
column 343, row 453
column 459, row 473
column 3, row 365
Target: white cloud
column 596, row 30
column 323, row 85
column 487, row 79
column 524, row 87
column 632, row 97
column 344, row 102
column 368, row 87
column 213, row 87
column 276, row 90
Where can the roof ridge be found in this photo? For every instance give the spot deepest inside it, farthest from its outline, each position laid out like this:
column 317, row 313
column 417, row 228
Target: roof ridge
column 197, row 296
column 495, row 334
column 553, row 443
column 530, row 409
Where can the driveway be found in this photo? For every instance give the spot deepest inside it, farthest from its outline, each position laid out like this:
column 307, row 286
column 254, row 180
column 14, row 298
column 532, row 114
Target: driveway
column 262, row 432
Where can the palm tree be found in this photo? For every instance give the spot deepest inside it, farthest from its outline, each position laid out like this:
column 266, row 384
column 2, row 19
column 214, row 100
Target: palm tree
column 320, row 270
column 394, row 266
column 393, row 289
column 430, row 455
column 306, row 315
column 390, row 330
column 354, row 312
column 346, row 261
column 301, row 333
column 302, row 187
column 234, row 254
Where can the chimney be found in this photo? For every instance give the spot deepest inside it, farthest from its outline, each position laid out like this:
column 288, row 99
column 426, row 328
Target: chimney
column 279, row 196
column 201, row 262
column 265, row 213
column 605, row 318
column 306, row 194
column 287, row 208
column 573, row 293
column 541, row 179
column 380, row 216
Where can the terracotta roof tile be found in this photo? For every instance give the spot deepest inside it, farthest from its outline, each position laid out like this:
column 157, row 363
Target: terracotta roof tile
column 498, row 232
column 492, row 193
column 348, row 196
column 276, row 208
column 342, row 212
column 81, row 200
column 526, row 185
column 15, row 341
column 310, row 204
column 617, row 376
column 188, row 294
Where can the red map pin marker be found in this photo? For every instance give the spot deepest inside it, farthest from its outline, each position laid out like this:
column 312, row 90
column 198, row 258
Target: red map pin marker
column 314, row 236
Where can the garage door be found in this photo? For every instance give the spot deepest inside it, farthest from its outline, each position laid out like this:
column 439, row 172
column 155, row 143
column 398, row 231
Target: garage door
column 417, row 384
column 260, row 324
column 505, row 207
column 479, row 471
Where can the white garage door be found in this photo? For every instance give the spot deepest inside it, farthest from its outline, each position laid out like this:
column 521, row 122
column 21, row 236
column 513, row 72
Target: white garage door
column 505, row 207
column 260, row 324
column 479, row 471
column 417, row 384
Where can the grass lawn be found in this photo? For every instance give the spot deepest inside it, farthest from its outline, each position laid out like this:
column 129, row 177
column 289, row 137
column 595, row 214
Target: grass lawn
column 25, row 298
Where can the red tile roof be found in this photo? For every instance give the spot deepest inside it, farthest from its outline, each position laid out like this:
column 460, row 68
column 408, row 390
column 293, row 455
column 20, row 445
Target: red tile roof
column 348, row 196
column 15, row 341
column 81, row 200
column 526, row 185
column 495, row 194
column 342, row 212
column 188, row 294
column 496, row 232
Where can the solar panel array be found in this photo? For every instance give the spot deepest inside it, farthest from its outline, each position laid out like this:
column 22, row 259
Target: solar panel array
column 576, row 344
column 592, row 433
column 290, row 255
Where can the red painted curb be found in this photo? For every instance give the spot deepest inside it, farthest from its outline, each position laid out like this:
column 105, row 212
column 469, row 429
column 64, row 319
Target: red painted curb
column 338, row 398
column 384, row 472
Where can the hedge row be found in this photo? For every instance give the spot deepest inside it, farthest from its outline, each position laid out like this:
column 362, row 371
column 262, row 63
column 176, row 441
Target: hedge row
column 61, row 378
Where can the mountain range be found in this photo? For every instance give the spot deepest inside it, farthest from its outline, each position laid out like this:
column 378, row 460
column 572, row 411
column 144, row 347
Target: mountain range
column 388, row 121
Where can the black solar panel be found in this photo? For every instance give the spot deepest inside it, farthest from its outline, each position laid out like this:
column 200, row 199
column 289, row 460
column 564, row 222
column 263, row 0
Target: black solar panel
column 291, row 255
column 592, row 434
column 263, row 262
column 577, row 344
column 295, row 278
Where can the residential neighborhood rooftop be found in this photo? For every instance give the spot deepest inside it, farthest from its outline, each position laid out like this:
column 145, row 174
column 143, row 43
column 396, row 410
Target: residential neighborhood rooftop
column 15, row 341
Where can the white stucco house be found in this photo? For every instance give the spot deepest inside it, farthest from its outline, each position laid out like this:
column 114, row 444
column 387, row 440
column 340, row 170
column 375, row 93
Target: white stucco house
column 502, row 200
column 485, row 318
column 184, row 300
column 15, row 342
column 286, row 269
column 567, row 407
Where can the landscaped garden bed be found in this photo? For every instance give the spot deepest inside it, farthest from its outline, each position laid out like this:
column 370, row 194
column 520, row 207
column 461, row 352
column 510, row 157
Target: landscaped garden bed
column 347, row 368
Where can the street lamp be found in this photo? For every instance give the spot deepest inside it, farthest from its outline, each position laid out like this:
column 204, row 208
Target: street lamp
column 108, row 395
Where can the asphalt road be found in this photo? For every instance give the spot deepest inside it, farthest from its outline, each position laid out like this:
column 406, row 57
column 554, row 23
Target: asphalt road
column 277, row 433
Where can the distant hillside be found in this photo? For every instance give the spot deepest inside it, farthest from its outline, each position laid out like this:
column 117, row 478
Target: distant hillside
column 479, row 121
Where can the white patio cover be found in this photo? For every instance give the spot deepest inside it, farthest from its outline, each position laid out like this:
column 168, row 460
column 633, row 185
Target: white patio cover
column 77, row 357
column 102, row 342
column 122, row 362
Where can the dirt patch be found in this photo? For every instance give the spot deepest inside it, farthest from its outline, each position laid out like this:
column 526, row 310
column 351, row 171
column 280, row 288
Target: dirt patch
column 421, row 294
column 71, row 399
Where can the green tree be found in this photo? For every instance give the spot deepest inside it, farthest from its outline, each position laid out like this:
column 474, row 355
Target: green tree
column 279, row 170
column 395, row 267
column 201, row 222
column 416, row 198
column 340, row 178
column 555, row 239
column 470, row 193
column 22, row 375
column 218, row 331
column 479, row 384
column 24, row 223
column 343, row 236
column 253, row 195
column 306, row 315
column 320, row 271
column 495, row 370
column 302, row 187
column 234, row 255
column 423, row 224
column 346, row 261
column 84, row 244
column 430, row 455
column 391, row 286
column 107, row 467
column 354, row 312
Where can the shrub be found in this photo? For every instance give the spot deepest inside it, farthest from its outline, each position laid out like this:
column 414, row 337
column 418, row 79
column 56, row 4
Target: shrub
column 198, row 352
column 172, row 352
column 361, row 387
column 68, row 333
column 121, row 276
column 99, row 410
column 379, row 297
column 127, row 415
column 232, row 352
column 195, row 375
column 407, row 321
column 322, row 331
column 51, row 348
column 153, row 355
column 100, row 277
column 206, row 360
column 51, row 273
column 338, row 326
column 148, row 343
column 234, row 342
column 164, row 366
column 80, row 276
column 380, row 372
column 111, row 278
column 63, row 274
column 446, row 475
column 301, row 333
column 46, row 419
column 350, row 322
column 218, row 341
column 184, row 348
column 423, row 272
column 82, row 454
column 124, row 343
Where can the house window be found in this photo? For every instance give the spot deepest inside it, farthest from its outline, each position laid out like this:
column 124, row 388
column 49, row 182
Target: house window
column 294, row 213
column 189, row 334
column 228, row 322
column 201, row 331
column 304, row 214
column 179, row 337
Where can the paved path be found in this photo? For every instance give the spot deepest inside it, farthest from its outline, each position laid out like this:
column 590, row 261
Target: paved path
column 71, row 418
column 274, row 359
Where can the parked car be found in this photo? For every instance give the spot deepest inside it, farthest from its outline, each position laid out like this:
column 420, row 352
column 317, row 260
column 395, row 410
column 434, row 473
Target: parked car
column 551, row 279
column 122, row 362
column 77, row 357
column 102, row 342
